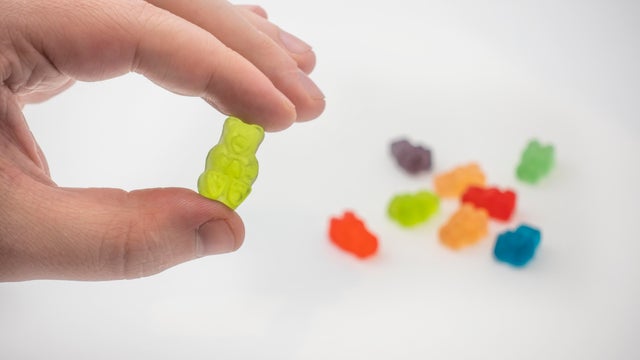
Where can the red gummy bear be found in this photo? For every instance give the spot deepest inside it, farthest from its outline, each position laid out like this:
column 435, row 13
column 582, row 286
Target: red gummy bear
column 499, row 204
column 350, row 234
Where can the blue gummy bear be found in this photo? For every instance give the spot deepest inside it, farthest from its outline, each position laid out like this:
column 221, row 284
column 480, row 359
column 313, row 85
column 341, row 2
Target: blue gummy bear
column 517, row 248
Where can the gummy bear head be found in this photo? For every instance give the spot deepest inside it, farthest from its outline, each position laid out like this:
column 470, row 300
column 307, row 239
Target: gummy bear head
column 536, row 151
column 242, row 138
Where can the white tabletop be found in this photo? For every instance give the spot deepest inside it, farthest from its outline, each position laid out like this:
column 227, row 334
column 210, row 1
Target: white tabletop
column 472, row 81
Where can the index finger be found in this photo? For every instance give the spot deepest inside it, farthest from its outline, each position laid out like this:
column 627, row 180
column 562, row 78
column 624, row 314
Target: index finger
column 94, row 42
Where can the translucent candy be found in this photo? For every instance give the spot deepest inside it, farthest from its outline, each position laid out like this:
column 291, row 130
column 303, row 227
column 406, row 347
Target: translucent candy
column 500, row 204
column 412, row 158
column 536, row 162
column 350, row 234
column 455, row 182
column 517, row 248
column 412, row 209
column 465, row 227
column 231, row 165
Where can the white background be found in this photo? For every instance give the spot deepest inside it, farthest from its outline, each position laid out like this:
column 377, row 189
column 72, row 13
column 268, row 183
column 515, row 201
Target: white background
column 474, row 80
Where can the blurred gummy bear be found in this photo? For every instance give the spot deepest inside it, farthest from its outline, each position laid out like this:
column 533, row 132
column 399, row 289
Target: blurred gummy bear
column 500, row 204
column 231, row 165
column 455, row 182
column 536, row 162
column 351, row 235
column 412, row 158
column 466, row 227
column 517, row 248
column 412, row 209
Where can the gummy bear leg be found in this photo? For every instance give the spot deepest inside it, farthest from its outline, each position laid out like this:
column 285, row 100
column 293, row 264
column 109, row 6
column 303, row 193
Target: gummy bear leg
column 212, row 184
column 238, row 191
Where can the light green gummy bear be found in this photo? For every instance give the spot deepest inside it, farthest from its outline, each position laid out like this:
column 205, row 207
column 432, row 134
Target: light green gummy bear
column 537, row 161
column 231, row 166
column 412, row 209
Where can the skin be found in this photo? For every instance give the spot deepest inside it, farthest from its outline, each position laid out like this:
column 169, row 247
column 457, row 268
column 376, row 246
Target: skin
column 252, row 69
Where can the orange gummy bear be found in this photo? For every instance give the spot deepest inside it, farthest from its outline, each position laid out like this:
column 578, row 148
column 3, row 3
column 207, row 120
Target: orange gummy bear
column 465, row 227
column 350, row 234
column 455, row 182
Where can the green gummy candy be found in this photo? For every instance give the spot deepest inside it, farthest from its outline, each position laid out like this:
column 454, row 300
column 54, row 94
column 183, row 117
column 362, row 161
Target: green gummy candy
column 231, row 166
column 412, row 209
column 536, row 162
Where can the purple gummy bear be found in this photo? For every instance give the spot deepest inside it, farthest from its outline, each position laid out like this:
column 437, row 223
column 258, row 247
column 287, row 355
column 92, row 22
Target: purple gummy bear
column 413, row 159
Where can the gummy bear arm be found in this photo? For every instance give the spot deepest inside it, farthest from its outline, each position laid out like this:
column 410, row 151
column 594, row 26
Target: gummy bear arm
column 217, row 157
column 251, row 170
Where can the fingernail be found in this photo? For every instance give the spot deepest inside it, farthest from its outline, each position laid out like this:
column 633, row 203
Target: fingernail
column 215, row 237
column 293, row 44
column 309, row 86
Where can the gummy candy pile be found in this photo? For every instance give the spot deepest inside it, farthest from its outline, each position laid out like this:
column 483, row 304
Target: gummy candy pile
column 231, row 169
column 470, row 223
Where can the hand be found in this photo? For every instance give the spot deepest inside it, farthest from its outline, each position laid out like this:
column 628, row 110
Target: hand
column 231, row 56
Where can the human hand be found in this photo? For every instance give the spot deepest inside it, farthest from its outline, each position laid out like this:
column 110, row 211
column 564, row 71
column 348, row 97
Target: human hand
column 231, row 56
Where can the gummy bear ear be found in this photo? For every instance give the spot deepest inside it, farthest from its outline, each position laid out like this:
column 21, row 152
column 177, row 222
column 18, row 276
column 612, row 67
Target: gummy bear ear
column 232, row 122
column 259, row 133
column 255, row 132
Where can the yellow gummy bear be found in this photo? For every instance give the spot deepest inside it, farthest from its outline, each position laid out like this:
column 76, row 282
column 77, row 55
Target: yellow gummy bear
column 231, row 166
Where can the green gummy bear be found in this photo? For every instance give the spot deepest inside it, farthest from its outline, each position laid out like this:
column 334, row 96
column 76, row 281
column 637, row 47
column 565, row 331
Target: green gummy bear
column 412, row 209
column 536, row 162
column 231, row 166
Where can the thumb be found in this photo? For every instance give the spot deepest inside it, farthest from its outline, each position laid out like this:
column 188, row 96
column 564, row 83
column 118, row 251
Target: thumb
column 102, row 234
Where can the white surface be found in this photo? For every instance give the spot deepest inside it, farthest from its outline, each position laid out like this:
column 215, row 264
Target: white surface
column 474, row 82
